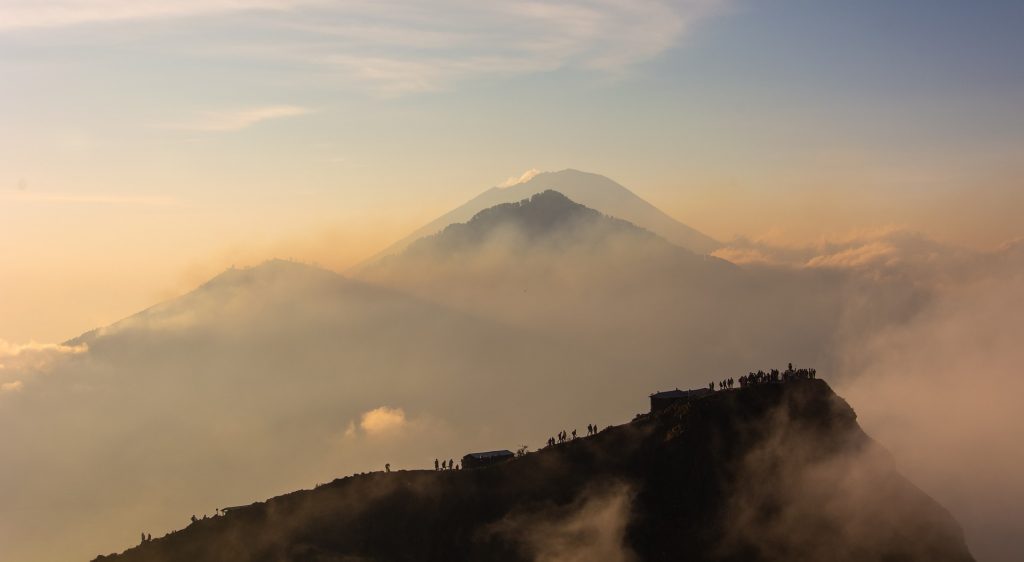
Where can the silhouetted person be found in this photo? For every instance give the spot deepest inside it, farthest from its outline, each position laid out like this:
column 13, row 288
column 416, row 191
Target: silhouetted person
column 387, row 467
column 451, row 464
column 574, row 434
column 149, row 537
column 143, row 538
column 194, row 518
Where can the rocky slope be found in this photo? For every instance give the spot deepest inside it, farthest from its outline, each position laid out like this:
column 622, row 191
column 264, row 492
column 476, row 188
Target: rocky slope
column 771, row 472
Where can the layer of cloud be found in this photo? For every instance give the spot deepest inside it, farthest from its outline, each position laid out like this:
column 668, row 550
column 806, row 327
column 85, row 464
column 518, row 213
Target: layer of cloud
column 235, row 120
column 880, row 252
column 315, row 353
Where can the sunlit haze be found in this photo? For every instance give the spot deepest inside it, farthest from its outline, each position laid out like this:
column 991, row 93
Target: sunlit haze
column 836, row 183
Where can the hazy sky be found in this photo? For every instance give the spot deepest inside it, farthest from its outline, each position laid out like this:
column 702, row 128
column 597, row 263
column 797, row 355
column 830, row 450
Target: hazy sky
column 144, row 143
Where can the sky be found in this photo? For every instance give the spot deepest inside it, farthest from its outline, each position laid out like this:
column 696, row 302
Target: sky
column 146, row 145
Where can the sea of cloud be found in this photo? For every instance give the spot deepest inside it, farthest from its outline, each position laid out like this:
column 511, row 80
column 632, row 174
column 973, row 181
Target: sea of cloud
column 280, row 377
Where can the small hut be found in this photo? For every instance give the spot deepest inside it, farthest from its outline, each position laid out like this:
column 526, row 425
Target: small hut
column 662, row 400
column 477, row 460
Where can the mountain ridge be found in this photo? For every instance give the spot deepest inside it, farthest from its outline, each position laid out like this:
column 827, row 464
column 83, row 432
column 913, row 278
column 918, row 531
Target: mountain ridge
column 674, row 484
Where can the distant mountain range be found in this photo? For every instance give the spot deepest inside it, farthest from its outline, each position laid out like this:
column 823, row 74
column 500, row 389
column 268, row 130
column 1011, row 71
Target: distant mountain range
column 592, row 190
column 770, row 473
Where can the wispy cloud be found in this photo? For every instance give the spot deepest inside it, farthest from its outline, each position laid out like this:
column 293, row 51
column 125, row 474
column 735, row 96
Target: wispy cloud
column 35, row 14
column 235, row 120
column 395, row 47
column 522, row 178
column 883, row 250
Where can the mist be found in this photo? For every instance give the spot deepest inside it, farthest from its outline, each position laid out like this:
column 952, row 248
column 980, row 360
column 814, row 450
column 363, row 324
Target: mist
column 943, row 394
column 593, row 527
column 283, row 376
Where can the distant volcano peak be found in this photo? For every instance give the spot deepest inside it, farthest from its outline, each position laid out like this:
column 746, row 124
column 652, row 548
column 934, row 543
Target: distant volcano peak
column 584, row 188
column 548, row 218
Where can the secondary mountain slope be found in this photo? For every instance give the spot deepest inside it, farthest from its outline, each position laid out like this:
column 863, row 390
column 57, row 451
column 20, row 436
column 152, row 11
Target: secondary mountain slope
column 261, row 380
column 773, row 472
column 592, row 190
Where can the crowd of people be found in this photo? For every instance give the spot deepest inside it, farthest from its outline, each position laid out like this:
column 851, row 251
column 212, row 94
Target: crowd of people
column 766, row 377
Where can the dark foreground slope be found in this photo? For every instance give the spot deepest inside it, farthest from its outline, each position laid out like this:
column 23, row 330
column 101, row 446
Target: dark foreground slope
column 774, row 472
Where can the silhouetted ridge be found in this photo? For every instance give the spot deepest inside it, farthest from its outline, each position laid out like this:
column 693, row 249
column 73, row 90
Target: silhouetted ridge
column 592, row 190
column 770, row 472
column 541, row 212
column 548, row 217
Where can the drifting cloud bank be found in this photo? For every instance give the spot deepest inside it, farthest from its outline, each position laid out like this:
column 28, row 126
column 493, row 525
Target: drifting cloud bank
column 943, row 393
column 939, row 388
column 879, row 250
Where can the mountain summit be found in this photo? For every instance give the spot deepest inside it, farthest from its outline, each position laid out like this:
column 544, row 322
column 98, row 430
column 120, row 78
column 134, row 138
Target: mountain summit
column 548, row 218
column 773, row 472
column 591, row 190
